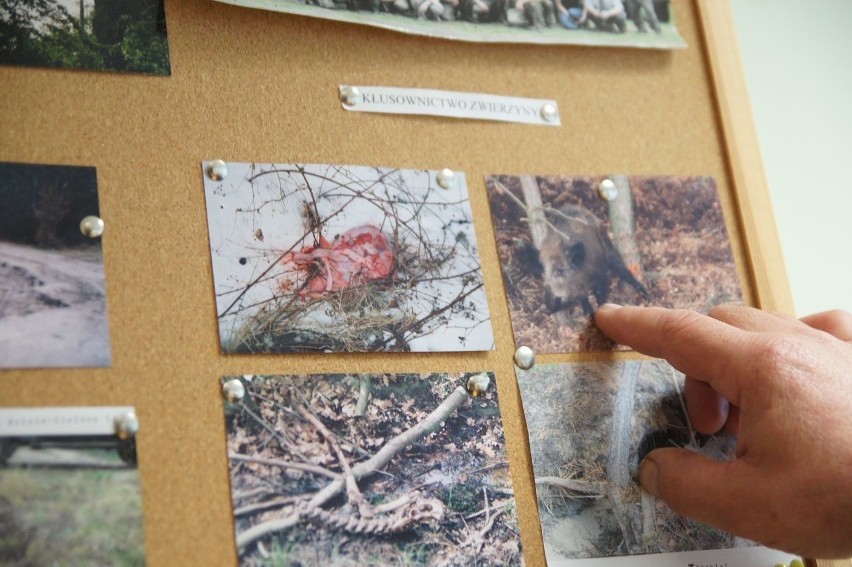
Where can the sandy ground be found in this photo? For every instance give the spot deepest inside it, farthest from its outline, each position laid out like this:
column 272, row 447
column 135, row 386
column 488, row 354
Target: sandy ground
column 52, row 308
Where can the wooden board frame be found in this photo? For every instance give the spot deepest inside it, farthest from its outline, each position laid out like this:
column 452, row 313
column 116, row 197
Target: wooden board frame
column 244, row 86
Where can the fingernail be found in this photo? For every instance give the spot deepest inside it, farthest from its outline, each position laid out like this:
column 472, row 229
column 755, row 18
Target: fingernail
column 609, row 307
column 648, row 475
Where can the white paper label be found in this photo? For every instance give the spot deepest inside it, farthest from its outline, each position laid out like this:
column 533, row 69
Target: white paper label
column 56, row 421
column 478, row 106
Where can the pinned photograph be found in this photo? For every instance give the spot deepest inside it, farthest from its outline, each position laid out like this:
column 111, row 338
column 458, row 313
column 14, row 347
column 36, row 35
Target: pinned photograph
column 101, row 35
column 328, row 258
column 622, row 23
column 370, row 469
column 590, row 424
column 570, row 244
column 52, row 293
column 69, row 487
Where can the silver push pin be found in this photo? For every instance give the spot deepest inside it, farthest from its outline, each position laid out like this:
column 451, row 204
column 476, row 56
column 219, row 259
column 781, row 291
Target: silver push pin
column 607, row 190
column 445, row 178
column 478, row 384
column 92, row 226
column 126, row 426
column 525, row 358
column 350, row 96
column 549, row 113
column 217, row 170
column 234, row 391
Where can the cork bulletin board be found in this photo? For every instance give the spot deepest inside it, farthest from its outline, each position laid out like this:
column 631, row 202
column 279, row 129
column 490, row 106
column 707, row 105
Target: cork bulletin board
column 250, row 85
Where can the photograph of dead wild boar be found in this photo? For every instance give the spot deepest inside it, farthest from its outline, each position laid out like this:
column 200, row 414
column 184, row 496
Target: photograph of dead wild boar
column 327, row 258
column 52, row 291
column 569, row 244
column 69, row 502
column 589, row 425
column 371, row 469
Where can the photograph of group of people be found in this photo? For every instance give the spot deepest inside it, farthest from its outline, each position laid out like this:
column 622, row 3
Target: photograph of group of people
column 629, row 23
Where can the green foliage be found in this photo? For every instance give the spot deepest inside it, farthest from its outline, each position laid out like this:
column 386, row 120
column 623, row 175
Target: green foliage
column 144, row 51
column 71, row 517
column 118, row 35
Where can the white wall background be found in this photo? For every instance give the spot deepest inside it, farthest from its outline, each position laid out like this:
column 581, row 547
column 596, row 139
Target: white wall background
column 797, row 56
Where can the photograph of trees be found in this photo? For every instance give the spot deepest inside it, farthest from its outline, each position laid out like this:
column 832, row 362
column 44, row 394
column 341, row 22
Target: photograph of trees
column 371, row 469
column 52, row 287
column 327, row 258
column 589, row 426
column 103, row 35
column 565, row 251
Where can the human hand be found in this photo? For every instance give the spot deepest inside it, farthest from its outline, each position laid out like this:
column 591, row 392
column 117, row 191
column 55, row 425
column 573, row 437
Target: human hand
column 784, row 387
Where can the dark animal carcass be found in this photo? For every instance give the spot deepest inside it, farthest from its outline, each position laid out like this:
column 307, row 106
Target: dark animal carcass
column 579, row 260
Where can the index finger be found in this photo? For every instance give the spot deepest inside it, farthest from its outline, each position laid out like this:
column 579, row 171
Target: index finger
column 699, row 346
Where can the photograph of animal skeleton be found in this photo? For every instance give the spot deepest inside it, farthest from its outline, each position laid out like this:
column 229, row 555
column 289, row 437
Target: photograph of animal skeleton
column 565, row 250
column 326, row 258
column 589, row 426
column 371, row 469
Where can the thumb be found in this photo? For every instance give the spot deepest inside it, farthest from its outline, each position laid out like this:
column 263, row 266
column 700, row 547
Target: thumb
column 720, row 494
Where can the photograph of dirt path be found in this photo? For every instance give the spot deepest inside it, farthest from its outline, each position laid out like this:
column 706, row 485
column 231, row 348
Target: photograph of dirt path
column 565, row 251
column 590, row 424
column 53, row 309
column 371, row 469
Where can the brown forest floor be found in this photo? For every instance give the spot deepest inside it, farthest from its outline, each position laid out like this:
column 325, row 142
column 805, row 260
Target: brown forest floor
column 463, row 464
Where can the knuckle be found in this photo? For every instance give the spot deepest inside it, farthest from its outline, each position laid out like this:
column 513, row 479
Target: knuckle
column 773, row 356
column 676, row 323
column 722, row 311
column 839, row 318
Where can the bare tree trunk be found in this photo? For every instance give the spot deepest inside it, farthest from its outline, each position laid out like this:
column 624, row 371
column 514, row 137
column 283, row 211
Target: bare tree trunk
column 363, row 395
column 619, row 448
column 535, row 209
column 649, row 515
column 623, row 224
column 82, row 17
column 538, row 229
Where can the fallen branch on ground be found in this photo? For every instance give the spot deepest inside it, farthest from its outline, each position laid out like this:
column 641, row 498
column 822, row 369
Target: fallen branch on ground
column 431, row 423
column 316, row 469
column 576, row 488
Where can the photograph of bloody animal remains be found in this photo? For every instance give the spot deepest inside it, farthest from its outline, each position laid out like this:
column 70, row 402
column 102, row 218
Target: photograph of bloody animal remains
column 360, row 255
column 327, row 258
column 570, row 244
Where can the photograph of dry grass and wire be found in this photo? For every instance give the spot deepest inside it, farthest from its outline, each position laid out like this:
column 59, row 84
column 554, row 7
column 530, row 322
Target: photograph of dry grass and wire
column 69, row 501
column 589, row 425
column 102, row 35
column 327, row 258
column 371, row 469
column 565, row 250
column 52, row 291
